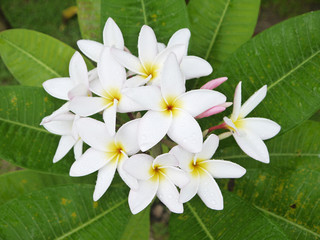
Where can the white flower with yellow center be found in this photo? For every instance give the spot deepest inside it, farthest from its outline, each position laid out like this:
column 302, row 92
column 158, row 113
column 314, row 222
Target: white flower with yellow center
column 202, row 170
column 150, row 62
column 249, row 133
column 155, row 177
column 108, row 152
column 172, row 110
column 109, row 88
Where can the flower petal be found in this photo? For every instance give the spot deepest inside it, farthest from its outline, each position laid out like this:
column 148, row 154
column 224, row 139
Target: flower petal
column 78, row 70
column 141, row 198
column 91, row 49
column 161, row 46
column 126, row 104
column 60, row 114
column 190, row 189
column 147, row 45
column 152, row 128
column 58, row 87
column 209, row 192
column 194, row 67
column 181, row 36
column 105, row 176
column 87, row 106
column 252, row 145
column 172, row 82
column 263, row 127
column 96, row 87
column 136, row 81
column 236, row 103
column 198, row 101
column 128, row 60
column 94, row 133
column 214, row 83
column 112, row 36
column 178, row 51
column 126, row 177
column 127, row 135
column 253, row 101
column 65, row 145
column 184, row 157
column 139, row 166
column 210, row 146
column 169, row 195
column 109, row 117
column 186, row 131
column 77, row 149
column 59, row 127
column 79, row 90
column 165, row 160
column 224, row 169
column 177, row 176
column 91, row 161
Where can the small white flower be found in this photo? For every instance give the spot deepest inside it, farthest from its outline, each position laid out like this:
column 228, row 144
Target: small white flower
column 249, row 133
column 107, row 153
column 156, row 177
column 202, row 170
column 149, row 64
column 172, row 110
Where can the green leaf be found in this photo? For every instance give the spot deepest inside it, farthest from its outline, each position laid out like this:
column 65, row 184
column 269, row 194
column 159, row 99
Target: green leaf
column 284, row 193
column 286, row 57
column 23, row 141
column 33, row 57
column 69, row 212
column 218, row 27
column 165, row 17
column 15, row 184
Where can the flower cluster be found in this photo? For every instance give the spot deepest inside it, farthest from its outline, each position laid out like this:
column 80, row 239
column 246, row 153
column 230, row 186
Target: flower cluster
column 154, row 84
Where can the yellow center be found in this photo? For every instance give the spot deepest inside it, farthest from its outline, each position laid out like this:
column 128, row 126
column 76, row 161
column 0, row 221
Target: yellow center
column 156, row 172
column 115, row 151
column 197, row 167
column 170, row 105
column 111, row 95
column 150, row 69
column 237, row 123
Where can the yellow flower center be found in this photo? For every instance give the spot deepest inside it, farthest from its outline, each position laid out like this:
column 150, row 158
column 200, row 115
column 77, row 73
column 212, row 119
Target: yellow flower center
column 115, row 151
column 170, row 105
column 150, row 69
column 156, row 172
column 237, row 123
column 111, row 95
column 197, row 167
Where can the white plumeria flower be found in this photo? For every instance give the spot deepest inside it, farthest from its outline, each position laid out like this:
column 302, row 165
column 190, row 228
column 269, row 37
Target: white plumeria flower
column 112, row 37
column 191, row 66
column 156, row 177
column 149, row 64
column 249, row 133
column 109, row 88
column 107, row 153
column 202, row 170
column 64, row 125
column 172, row 110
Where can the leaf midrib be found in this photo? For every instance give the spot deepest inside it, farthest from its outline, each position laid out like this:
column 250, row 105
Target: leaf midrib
column 276, row 155
column 144, row 12
column 32, row 57
column 23, row 125
column 91, row 220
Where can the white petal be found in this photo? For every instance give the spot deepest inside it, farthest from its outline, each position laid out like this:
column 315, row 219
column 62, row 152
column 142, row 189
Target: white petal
column 186, row 131
column 141, row 198
column 172, row 82
column 78, row 70
column 184, row 157
column 263, row 127
column 127, row 135
column 59, row 127
column 96, row 87
column 152, row 128
column 148, row 97
column 224, row 169
column 65, row 144
column 209, row 192
column 128, row 60
column 252, row 145
column 105, row 176
column 136, row 81
column 178, row 51
column 91, row 49
column 93, row 74
column 229, row 122
column 147, row 45
column 165, row 160
column 109, row 117
column 111, row 74
column 126, row 104
column 190, row 189
column 91, row 161
column 181, row 36
column 79, row 90
column 236, row 103
column 94, row 133
column 169, row 195
column 87, row 106
column 58, row 87
column 210, row 146
column 195, row 67
column 177, row 176
column 112, row 36
column 161, row 46
column 139, row 166
column 126, row 177
column 64, row 109
column 77, row 149
column 198, row 101
column 253, row 101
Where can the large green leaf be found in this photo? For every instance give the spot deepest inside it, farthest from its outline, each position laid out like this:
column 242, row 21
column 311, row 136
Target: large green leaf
column 68, row 212
column 286, row 57
column 18, row 183
column 165, row 17
column 219, row 27
column 284, row 193
column 34, row 57
column 23, row 141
